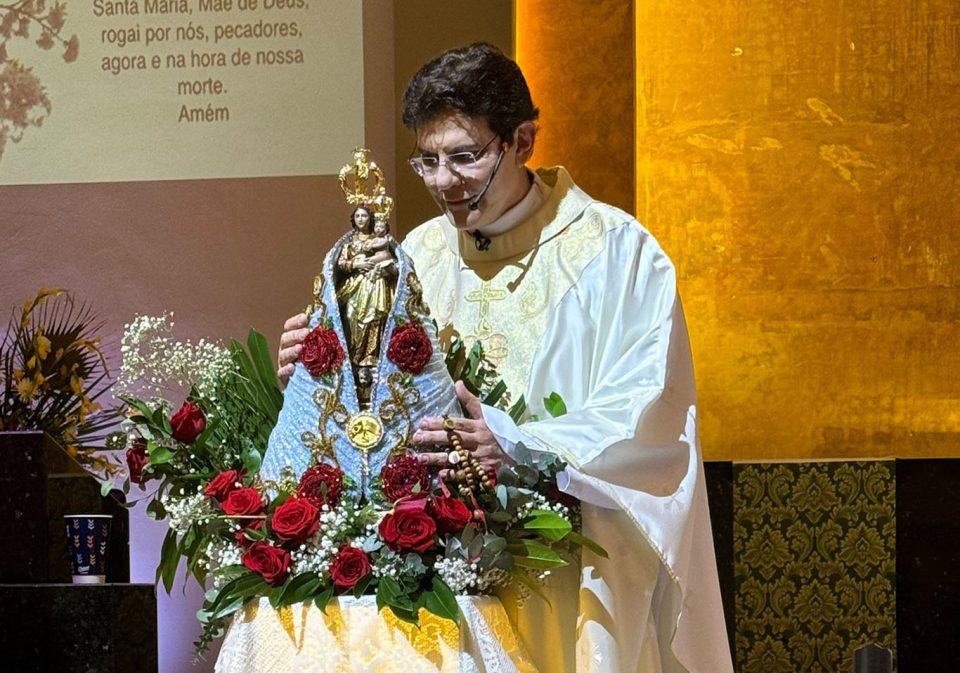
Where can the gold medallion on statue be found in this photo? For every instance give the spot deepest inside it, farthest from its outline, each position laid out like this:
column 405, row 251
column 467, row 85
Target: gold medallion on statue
column 364, row 431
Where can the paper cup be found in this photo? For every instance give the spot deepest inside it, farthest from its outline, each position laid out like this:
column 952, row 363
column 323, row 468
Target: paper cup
column 87, row 538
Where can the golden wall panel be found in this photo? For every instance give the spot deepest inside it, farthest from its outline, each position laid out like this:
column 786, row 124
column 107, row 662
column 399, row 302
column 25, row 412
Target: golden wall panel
column 799, row 161
column 579, row 63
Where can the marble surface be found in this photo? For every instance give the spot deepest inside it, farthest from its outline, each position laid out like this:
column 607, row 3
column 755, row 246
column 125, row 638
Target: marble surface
column 23, row 507
column 110, row 628
column 39, row 484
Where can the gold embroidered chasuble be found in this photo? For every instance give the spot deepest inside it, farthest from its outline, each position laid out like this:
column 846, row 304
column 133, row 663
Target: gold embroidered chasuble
column 579, row 299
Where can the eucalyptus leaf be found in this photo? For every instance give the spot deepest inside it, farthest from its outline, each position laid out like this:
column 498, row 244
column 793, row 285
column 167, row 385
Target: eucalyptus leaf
column 502, row 495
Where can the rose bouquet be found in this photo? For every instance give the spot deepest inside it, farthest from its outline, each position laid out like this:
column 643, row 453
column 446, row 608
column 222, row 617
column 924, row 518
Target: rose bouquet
column 414, row 544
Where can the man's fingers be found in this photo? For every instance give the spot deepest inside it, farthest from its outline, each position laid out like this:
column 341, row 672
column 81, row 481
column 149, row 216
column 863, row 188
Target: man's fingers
column 459, row 424
column 295, row 322
column 433, row 459
column 284, row 374
column 293, row 337
column 288, row 356
column 469, row 401
column 427, row 437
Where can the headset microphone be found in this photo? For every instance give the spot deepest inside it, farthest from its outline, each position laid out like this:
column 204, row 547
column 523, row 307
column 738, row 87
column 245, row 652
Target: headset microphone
column 475, row 204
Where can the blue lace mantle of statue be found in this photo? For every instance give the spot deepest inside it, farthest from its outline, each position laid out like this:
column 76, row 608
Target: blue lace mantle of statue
column 323, row 420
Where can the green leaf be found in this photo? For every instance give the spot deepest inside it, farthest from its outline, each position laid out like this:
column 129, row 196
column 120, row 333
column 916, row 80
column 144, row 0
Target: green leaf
column 587, row 543
column 362, row 585
column 549, row 525
column 273, row 595
column 321, row 599
column 106, row 487
column 169, row 560
column 516, row 411
column 391, row 593
column 227, row 609
column 156, row 510
column 262, row 360
column 533, row 554
column 442, row 601
column 159, row 455
column 299, row 588
column 251, row 458
column 555, row 405
column 494, row 395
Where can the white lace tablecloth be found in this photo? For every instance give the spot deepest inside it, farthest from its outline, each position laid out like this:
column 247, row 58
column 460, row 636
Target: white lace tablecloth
column 352, row 636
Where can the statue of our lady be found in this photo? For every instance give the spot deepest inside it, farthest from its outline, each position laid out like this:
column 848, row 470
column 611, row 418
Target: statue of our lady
column 372, row 365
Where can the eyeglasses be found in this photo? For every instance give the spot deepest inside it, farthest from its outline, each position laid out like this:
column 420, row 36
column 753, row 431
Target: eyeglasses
column 459, row 162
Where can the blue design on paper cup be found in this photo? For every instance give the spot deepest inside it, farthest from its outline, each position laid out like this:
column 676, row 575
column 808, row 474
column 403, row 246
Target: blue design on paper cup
column 87, row 536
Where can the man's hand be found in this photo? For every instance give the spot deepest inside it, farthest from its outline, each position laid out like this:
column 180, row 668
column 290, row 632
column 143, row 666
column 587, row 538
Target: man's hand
column 474, row 435
column 291, row 343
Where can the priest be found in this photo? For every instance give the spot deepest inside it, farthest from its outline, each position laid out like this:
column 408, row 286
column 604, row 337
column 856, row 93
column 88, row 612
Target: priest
column 573, row 297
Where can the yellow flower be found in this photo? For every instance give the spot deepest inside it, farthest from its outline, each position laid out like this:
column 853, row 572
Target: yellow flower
column 43, row 347
column 76, row 384
column 26, row 389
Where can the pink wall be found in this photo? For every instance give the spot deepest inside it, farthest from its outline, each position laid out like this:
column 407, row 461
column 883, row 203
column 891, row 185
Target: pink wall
column 223, row 255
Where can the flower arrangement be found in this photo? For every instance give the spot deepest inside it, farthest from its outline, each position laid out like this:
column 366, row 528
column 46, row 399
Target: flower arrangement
column 414, row 544
column 52, row 374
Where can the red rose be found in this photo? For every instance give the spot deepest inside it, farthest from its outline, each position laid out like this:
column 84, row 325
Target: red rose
column 409, row 528
column 223, row 484
column 322, row 352
column 188, row 423
column 243, row 502
column 321, row 484
column 137, row 459
column 295, row 520
column 400, row 475
column 272, row 563
column 410, row 348
column 452, row 515
column 348, row 567
column 240, row 536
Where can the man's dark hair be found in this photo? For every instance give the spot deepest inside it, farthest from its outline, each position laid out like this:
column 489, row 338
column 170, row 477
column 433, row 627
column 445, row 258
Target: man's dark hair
column 479, row 81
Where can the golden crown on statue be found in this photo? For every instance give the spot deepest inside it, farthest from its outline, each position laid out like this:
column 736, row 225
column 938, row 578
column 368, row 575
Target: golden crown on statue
column 368, row 188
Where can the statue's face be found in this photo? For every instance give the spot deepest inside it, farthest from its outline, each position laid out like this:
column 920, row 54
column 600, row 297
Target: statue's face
column 455, row 189
column 380, row 228
column 361, row 220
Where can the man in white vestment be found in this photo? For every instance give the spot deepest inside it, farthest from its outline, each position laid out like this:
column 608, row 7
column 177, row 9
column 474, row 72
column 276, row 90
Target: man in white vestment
column 568, row 296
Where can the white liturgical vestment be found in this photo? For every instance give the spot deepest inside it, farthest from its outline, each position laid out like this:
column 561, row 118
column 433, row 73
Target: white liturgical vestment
column 579, row 299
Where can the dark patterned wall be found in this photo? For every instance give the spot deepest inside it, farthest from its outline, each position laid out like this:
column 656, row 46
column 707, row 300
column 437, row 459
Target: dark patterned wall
column 814, row 564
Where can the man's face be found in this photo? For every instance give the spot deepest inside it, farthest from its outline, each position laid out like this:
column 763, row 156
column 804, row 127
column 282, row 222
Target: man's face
column 454, row 189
